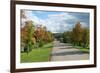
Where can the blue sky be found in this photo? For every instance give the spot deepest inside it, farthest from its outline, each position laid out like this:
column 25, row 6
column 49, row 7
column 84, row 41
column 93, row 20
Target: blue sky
column 57, row 21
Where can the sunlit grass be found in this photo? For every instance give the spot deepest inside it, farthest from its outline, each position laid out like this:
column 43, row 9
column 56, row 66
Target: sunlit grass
column 40, row 54
column 82, row 49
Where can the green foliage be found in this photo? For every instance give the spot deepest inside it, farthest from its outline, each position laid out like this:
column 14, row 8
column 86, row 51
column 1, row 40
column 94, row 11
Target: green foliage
column 41, row 43
column 85, row 38
column 67, row 37
column 79, row 36
column 26, row 36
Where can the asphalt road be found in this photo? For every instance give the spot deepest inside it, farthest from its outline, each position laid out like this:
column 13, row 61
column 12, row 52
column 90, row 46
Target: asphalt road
column 65, row 52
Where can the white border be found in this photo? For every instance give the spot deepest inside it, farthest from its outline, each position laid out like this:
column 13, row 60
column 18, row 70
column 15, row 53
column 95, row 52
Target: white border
column 52, row 64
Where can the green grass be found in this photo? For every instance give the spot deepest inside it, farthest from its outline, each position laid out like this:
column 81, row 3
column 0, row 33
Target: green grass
column 41, row 54
column 82, row 49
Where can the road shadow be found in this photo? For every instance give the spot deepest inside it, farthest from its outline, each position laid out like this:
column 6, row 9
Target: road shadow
column 62, row 45
column 66, row 47
column 69, row 53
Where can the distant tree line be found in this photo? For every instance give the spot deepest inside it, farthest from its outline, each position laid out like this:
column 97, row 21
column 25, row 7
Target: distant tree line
column 78, row 36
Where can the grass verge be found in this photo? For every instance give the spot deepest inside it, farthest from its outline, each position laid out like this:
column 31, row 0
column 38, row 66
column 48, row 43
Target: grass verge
column 86, row 50
column 40, row 54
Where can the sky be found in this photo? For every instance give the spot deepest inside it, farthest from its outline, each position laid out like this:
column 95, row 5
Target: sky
column 56, row 21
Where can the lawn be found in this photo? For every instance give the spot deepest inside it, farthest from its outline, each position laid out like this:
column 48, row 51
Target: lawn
column 41, row 54
column 82, row 49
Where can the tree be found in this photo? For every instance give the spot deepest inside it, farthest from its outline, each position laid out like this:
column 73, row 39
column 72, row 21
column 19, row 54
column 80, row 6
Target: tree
column 49, row 36
column 85, row 38
column 42, row 35
column 39, row 34
column 77, row 34
column 23, row 14
column 67, row 37
column 27, row 33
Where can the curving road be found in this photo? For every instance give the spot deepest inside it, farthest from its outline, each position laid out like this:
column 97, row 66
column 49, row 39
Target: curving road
column 65, row 52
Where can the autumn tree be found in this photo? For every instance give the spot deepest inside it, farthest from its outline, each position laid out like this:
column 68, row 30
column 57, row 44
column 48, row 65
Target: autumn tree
column 77, row 33
column 27, row 33
column 42, row 35
column 49, row 36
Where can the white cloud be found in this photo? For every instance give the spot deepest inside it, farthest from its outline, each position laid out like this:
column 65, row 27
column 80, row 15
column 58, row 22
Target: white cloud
column 30, row 16
column 62, row 16
column 53, row 22
column 84, row 24
column 59, row 22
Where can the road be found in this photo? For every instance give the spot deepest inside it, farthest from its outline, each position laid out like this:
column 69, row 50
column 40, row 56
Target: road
column 65, row 52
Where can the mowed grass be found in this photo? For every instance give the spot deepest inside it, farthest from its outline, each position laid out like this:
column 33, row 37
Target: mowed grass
column 41, row 54
column 82, row 49
column 85, row 50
